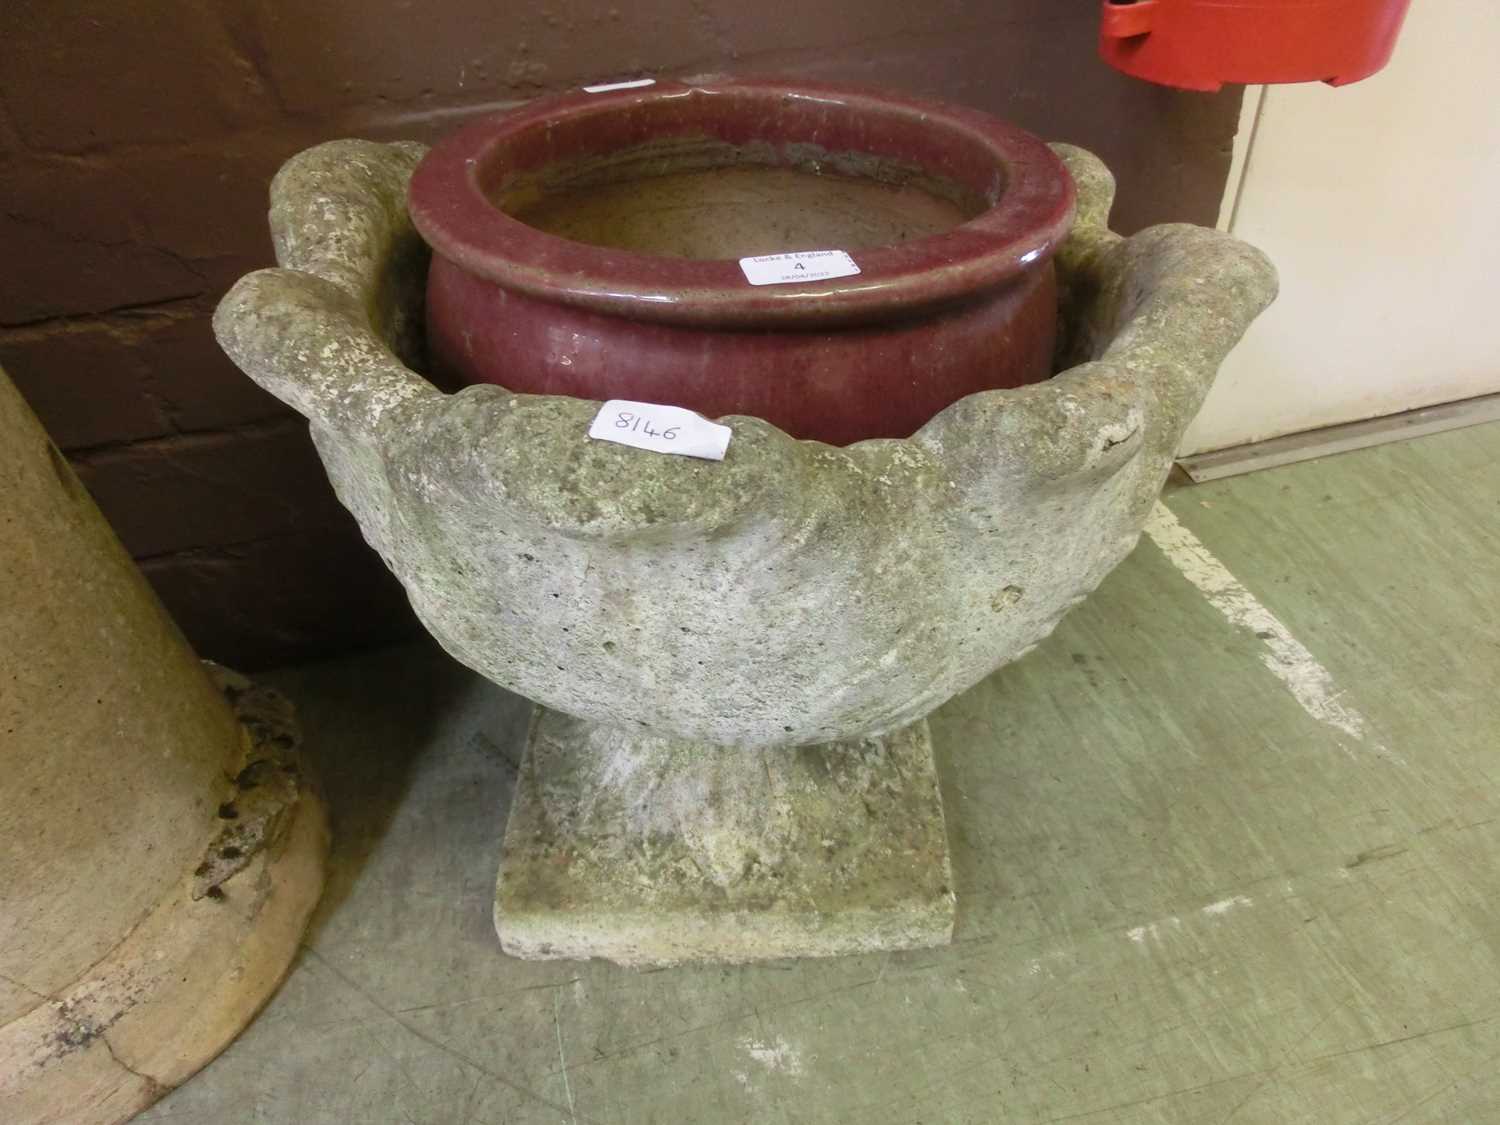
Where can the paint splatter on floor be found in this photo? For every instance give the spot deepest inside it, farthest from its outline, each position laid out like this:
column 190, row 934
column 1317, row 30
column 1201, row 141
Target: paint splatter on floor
column 779, row 1055
column 1287, row 657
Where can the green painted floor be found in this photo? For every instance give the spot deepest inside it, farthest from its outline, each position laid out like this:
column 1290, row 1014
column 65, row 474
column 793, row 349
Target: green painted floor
column 1186, row 895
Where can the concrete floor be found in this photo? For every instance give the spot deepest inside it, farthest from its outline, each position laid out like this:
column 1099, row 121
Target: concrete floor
column 1226, row 852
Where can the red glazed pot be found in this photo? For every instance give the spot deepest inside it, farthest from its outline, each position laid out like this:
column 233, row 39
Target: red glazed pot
column 950, row 216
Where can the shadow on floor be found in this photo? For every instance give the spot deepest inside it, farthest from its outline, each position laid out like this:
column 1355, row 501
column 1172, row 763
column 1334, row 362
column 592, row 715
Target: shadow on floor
column 365, row 779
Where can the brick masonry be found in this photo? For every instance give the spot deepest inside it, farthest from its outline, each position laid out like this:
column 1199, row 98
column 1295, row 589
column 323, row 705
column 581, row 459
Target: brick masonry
column 136, row 143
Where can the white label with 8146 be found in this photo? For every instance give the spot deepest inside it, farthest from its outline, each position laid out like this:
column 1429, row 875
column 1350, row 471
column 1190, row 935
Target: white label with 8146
column 660, row 428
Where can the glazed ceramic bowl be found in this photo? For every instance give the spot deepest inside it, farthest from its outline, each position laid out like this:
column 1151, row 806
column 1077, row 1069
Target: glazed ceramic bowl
column 594, row 245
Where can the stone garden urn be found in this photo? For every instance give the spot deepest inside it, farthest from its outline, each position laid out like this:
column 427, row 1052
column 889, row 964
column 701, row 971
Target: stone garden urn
column 732, row 659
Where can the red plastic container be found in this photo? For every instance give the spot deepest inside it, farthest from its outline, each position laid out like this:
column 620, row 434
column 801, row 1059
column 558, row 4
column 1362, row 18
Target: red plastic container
column 1202, row 44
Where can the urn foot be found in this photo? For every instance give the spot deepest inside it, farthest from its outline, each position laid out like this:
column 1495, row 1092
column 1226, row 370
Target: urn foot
column 649, row 851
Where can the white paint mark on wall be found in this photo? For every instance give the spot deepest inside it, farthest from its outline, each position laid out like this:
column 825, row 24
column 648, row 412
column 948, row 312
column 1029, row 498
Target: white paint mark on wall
column 1225, row 905
column 780, row 1055
column 1286, row 656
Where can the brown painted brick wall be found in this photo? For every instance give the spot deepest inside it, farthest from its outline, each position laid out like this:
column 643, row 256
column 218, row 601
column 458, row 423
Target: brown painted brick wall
column 137, row 140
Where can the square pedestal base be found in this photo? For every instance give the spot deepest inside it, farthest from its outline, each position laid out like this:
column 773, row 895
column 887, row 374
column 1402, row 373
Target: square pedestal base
column 650, row 851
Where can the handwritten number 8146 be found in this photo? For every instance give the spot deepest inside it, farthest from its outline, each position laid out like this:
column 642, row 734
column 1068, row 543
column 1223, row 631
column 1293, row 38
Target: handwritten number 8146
column 625, row 420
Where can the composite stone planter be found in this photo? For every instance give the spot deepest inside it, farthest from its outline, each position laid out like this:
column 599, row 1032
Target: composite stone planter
column 733, row 660
column 160, row 851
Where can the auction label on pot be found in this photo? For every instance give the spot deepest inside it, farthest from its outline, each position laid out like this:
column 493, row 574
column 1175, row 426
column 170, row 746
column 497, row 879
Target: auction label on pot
column 801, row 265
column 661, row 429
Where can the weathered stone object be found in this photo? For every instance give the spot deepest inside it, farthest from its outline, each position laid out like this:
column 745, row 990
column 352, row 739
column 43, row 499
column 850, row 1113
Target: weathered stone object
column 680, row 618
column 160, row 852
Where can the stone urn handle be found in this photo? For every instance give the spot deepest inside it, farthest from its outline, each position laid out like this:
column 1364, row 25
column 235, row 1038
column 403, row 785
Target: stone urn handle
column 304, row 331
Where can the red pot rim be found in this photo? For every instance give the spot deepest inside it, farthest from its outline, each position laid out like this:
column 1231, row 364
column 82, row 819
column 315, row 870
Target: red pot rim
column 1031, row 208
